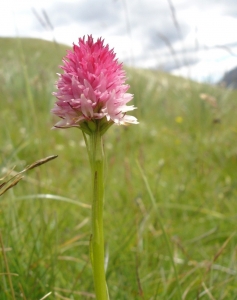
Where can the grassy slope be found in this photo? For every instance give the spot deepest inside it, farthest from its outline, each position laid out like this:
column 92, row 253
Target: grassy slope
column 190, row 162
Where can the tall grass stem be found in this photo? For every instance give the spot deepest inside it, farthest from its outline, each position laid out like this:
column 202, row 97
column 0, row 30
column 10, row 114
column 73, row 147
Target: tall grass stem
column 7, row 268
column 162, row 228
column 29, row 96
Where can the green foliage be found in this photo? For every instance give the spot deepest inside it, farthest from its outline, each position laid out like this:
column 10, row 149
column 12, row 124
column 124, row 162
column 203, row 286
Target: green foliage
column 186, row 147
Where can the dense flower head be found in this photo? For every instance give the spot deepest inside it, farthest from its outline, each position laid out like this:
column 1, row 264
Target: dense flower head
column 92, row 87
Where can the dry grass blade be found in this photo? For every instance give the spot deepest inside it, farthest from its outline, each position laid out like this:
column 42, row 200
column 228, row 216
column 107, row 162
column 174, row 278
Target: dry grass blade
column 88, row 295
column 226, row 48
column 222, row 247
column 45, row 296
column 7, row 268
column 1, row 185
column 46, row 17
column 39, row 163
column 173, row 13
column 170, row 47
column 210, row 264
column 38, row 17
column 10, row 185
column 17, row 177
column 60, row 296
column 22, row 292
column 73, row 240
column 208, row 291
column 140, row 290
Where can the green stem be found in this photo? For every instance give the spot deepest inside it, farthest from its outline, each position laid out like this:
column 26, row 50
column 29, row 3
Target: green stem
column 96, row 155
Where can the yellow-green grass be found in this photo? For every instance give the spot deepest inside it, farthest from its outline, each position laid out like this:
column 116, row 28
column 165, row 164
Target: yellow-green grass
column 187, row 150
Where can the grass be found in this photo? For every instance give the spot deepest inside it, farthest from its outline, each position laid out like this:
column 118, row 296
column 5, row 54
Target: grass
column 187, row 152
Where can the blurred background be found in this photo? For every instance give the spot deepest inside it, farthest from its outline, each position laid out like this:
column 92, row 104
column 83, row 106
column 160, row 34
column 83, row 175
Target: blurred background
column 185, row 145
column 194, row 39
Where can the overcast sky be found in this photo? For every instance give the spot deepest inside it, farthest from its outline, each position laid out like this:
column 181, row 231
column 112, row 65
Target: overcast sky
column 195, row 38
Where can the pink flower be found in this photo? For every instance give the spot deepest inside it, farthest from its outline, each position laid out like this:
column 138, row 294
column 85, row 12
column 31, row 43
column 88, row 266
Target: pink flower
column 92, row 87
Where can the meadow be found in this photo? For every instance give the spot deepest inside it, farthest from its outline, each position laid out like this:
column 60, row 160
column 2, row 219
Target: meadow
column 171, row 188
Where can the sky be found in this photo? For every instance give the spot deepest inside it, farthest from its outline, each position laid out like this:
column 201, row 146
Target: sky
column 190, row 38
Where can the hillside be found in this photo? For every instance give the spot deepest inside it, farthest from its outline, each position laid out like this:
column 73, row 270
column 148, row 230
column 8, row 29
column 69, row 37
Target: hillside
column 170, row 224
column 230, row 79
column 45, row 54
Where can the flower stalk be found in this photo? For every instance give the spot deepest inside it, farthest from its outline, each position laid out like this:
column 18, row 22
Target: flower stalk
column 96, row 157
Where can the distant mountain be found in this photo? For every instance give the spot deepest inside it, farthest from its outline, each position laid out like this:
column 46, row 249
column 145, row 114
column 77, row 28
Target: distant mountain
column 230, row 79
